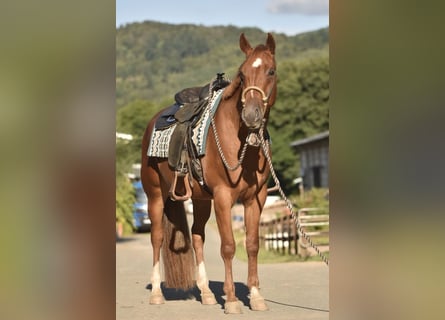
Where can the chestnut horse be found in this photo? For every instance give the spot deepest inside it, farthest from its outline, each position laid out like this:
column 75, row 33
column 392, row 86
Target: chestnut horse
column 243, row 110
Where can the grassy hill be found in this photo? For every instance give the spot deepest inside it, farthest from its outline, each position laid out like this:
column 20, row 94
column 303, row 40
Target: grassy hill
column 155, row 60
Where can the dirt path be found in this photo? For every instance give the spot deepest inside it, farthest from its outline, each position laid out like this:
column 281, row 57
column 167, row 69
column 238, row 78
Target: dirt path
column 292, row 290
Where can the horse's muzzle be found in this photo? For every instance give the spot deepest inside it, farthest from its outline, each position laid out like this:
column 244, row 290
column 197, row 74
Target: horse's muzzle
column 253, row 110
column 252, row 117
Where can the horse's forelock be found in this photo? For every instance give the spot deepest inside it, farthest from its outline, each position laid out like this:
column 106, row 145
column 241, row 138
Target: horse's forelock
column 261, row 48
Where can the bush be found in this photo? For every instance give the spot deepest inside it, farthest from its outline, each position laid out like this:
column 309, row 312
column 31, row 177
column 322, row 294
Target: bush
column 314, row 198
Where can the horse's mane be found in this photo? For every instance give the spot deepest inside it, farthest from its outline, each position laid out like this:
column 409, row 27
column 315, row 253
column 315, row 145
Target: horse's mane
column 232, row 87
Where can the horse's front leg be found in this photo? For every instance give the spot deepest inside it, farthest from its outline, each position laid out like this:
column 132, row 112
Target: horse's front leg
column 201, row 214
column 223, row 204
column 252, row 212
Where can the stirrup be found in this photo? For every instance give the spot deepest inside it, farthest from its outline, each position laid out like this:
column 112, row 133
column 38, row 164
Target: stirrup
column 188, row 190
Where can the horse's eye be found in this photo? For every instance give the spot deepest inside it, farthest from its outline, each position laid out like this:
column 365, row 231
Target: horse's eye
column 271, row 72
column 241, row 75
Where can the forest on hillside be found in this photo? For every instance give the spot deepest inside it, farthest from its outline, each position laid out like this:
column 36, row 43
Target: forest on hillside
column 156, row 60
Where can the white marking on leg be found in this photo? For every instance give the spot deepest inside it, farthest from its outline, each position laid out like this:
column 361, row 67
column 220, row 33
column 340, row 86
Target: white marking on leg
column 254, row 292
column 257, row 63
column 156, row 277
column 257, row 301
column 202, row 276
column 208, row 298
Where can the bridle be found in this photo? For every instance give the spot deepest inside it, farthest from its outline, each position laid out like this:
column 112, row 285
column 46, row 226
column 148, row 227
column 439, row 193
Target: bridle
column 264, row 98
column 252, row 138
column 263, row 95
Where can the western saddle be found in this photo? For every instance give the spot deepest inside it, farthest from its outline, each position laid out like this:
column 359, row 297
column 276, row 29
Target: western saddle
column 185, row 113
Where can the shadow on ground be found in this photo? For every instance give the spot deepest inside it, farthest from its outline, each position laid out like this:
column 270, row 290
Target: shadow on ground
column 217, row 288
column 123, row 240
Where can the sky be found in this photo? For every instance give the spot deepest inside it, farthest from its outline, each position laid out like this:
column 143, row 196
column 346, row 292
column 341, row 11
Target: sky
column 278, row 16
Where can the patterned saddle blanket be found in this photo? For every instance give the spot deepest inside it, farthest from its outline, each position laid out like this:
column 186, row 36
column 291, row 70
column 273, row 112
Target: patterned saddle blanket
column 160, row 138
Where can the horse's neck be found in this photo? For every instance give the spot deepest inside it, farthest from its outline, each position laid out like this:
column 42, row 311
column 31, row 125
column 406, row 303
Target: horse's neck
column 228, row 119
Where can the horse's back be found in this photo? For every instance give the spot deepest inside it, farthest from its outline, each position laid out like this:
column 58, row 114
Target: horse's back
column 149, row 171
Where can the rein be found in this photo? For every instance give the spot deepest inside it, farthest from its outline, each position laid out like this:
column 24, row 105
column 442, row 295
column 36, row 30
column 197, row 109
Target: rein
column 264, row 146
column 257, row 139
column 251, row 138
column 221, row 154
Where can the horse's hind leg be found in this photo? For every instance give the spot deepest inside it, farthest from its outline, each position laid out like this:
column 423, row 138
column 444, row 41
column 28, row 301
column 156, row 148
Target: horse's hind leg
column 152, row 186
column 201, row 214
column 156, row 214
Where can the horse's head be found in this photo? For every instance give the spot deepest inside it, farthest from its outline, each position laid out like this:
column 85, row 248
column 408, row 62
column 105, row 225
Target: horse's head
column 258, row 81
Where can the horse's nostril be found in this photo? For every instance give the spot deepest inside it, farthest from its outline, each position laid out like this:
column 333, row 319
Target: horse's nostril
column 257, row 115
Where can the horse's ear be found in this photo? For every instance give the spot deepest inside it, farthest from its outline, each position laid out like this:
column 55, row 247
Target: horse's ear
column 270, row 43
column 244, row 44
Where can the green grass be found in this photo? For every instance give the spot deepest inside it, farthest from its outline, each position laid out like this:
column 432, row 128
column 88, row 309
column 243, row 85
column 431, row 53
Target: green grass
column 265, row 256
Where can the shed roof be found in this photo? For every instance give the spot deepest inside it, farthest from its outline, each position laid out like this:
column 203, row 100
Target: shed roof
column 314, row 138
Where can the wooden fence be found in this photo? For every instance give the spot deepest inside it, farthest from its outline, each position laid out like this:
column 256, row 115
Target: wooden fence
column 281, row 234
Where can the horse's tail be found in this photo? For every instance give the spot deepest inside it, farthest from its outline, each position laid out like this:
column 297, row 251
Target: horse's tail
column 177, row 251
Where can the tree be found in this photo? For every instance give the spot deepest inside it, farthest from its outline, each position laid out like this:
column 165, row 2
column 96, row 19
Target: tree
column 133, row 119
column 301, row 110
column 125, row 196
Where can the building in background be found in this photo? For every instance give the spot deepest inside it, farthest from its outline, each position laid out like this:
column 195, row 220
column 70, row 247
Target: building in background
column 314, row 160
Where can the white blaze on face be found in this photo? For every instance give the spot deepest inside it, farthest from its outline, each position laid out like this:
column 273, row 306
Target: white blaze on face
column 257, row 63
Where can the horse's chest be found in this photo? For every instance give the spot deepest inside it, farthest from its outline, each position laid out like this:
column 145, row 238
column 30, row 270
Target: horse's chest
column 251, row 183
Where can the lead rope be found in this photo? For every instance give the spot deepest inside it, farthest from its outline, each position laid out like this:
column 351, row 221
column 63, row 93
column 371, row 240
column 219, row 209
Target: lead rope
column 218, row 144
column 264, row 146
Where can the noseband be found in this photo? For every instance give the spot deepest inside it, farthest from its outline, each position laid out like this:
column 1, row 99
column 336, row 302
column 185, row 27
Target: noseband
column 263, row 95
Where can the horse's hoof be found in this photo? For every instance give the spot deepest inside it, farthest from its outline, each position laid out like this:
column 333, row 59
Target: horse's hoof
column 157, row 298
column 258, row 304
column 232, row 307
column 208, row 298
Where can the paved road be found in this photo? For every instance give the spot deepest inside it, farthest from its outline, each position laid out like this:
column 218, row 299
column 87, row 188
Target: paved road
column 292, row 290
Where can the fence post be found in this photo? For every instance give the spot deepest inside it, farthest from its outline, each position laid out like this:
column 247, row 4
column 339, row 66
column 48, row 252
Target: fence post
column 294, row 237
column 283, row 246
column 280, row 232
column 302, row 250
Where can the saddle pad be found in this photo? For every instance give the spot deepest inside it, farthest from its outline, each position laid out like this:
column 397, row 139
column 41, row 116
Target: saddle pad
column 160, row 138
